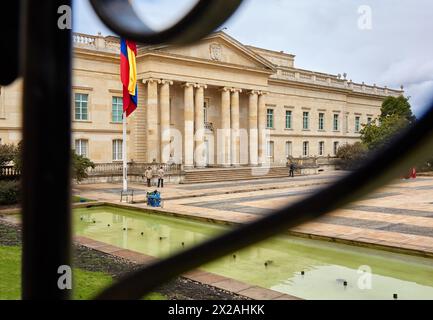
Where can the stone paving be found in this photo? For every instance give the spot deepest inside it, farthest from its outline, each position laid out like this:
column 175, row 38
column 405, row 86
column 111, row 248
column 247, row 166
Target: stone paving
column 397, row 217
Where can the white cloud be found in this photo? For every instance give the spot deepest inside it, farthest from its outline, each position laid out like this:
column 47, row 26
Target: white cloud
column 324, row 35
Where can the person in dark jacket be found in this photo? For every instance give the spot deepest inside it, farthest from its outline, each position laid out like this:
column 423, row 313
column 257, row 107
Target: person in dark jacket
column 292, row 170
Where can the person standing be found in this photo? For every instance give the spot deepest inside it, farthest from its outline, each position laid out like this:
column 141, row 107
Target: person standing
column 161, row 174
column 292, row 170
column 149, row 175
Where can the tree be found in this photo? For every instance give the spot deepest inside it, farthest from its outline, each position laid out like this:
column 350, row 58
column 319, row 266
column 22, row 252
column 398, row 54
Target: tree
column 80, row 164
column 351, row 155
column 17, row 157
column 7, row 153
column 396, row 114
column 397, row 106
column 376, row 135
column 10, row 153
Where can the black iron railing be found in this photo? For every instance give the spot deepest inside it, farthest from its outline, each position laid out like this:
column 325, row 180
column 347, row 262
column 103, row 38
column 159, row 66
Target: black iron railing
column 46, row 68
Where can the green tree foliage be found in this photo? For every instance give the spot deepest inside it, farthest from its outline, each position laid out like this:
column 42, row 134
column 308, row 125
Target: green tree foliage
column 7, row 153
column 351, row 154
column 376, row 135
column 396, row 114
column 397, row 106
column 9, row 192
column 80, row 165
column 17, row 157
column 12, row 154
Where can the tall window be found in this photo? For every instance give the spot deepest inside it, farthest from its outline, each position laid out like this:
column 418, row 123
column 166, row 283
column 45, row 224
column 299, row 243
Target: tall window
column 270, row 149
column 288, row 149
column 357, row 124
column 369, row 120
column 288, row 119
column 321, row 121
column 336, row 122
column 117, row 150
column 306, row 149
column 321, row 148
column 117, row 109
column 336, row 146
column 346, row 123
column 270, row 119
column 306, row 121
column 82, row 147
column 205, row 110
column 81, row 106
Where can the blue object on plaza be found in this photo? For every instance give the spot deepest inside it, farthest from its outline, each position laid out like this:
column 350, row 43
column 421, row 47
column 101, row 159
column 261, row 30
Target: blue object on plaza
column 154, row 199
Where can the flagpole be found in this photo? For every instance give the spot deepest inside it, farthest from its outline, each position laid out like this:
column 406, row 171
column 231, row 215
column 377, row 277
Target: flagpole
column 124, row 154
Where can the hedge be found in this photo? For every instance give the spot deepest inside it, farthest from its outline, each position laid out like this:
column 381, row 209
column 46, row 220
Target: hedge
column 9, row 192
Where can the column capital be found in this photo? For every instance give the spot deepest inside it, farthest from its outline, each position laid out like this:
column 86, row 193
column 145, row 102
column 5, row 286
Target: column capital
column 164, row 81
column 151, row 80
column 199, row 86
column 224, row 89
column 253, row 92
column 188, row 85
column 234, row 90
column 263, row 93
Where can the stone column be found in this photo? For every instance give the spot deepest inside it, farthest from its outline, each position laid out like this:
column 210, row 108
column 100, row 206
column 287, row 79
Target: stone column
column 235, row 138
column 165, row 120
column 152, row 146
column 224, row 134
column 253, row 129
column 262, row 128
column 188, row 134
column 137, row 123
column 199, row 158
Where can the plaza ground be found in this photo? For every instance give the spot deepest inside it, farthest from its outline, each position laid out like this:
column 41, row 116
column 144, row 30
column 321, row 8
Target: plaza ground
column 397, row 217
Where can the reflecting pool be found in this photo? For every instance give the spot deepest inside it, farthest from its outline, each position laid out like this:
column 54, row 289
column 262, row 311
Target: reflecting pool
column 308, row 269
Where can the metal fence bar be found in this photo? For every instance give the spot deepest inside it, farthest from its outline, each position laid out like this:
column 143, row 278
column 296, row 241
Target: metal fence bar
column 46, row 149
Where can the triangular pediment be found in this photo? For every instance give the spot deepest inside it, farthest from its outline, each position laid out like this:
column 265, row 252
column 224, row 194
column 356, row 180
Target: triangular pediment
column 221, row 48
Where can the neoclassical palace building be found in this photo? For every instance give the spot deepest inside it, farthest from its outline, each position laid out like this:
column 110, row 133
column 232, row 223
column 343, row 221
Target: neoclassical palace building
column 216, row 103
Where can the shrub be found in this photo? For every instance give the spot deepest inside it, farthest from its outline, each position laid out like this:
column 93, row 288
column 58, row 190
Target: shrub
column 7, row 153
column 80, row 165
column 9, row 192
column 351, row 155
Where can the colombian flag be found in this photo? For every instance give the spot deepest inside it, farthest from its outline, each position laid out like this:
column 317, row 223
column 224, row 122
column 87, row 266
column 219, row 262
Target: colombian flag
column 128, row 74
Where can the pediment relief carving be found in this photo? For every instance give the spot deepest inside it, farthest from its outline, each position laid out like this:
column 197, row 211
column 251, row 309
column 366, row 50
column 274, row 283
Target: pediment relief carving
column 216, row 51
column 220, row 49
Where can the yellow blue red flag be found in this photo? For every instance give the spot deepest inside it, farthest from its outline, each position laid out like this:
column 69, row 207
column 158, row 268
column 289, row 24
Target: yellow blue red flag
column 128, row 75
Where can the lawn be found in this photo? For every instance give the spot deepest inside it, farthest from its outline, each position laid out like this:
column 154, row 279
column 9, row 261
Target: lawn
column 86, row 285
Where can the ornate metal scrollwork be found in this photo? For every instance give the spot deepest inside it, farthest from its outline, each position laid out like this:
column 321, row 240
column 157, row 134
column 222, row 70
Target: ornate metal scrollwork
column 205, row 17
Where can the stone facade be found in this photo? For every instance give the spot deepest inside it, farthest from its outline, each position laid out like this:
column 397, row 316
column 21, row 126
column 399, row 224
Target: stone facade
column 216, row 103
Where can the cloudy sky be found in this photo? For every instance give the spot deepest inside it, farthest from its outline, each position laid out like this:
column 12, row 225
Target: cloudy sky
column 391, row 46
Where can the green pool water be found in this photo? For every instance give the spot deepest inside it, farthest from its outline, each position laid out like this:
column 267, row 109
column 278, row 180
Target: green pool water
column 325, row 265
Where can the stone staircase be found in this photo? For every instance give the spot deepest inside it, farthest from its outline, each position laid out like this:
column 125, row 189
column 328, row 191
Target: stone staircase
column 233, row 174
